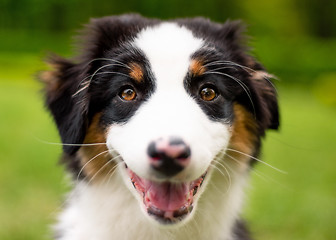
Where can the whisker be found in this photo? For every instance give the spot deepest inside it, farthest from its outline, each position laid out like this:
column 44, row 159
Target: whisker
column 222, row 68
column 245, row 68
column 81, row 89
column 221, row 172
column 257, row 159
column 118, row 73
column 239, row 163
column 243, row 85
column 111, row 60
column 218, row 161
column 259, row 174
column 116, row 63
column 87, row 83
column 270, row 179
column 235, row 159
column 216, row 187
column 69, row 144
column 88, row 162
column 83, row 82
column 112, row 171
column 102, row 67
column 229, row 63
column 108, row 162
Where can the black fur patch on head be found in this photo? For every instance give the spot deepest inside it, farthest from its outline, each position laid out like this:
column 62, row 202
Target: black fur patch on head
column 226, row 38
column 104, row 34
column 228, row 65
column 215, row 75
column 78, row 89
column 114, row 77
column 67, row 97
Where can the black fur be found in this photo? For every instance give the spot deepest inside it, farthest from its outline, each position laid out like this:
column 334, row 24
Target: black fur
column 102, row 38
column 104, row 88
column 107, row 38
column 70, row 112
column 241, row 232
column 228, row 41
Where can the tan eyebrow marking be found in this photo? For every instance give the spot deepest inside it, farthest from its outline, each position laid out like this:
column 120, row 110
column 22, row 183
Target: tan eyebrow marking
column 196, row 67
column 136, row 72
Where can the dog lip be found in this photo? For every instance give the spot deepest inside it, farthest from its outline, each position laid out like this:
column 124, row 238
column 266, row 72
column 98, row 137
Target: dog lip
column 156, row 205
column 169, row 217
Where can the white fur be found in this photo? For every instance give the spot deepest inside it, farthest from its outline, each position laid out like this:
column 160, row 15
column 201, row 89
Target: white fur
column 170, row 111
column 109, row 210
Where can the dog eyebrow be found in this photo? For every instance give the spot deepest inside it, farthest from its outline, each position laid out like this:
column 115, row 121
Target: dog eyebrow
column 196, row 67
column 136, row 72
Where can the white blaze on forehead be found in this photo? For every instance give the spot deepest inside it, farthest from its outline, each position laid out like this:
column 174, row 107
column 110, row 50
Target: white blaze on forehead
column 168, row 47
column 170, row 110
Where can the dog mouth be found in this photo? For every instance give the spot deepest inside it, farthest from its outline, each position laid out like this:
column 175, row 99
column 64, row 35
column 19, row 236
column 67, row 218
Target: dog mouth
column 167, row 202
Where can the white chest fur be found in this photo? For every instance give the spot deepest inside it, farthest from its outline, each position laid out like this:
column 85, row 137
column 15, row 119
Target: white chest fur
column 109, row 211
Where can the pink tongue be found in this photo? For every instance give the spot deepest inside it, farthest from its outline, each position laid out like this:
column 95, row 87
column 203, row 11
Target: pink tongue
column 167, row 196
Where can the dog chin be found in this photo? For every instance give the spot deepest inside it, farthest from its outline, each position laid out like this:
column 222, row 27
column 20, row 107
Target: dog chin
column 164, row 202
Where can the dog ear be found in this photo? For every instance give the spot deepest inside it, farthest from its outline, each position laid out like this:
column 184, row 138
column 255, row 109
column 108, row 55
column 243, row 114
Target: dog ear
column 68, row 108
column 262, row 90
column 265, row 100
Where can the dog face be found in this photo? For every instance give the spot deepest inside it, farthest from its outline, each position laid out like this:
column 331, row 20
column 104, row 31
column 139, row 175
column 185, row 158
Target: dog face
column 167, row 99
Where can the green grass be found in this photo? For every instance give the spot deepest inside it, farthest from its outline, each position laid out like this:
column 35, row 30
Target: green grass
column 301, row 203
column 31, row 184
column 297, row 205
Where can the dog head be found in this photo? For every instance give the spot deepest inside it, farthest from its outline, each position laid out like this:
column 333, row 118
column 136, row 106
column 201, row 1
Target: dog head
column 165, row 101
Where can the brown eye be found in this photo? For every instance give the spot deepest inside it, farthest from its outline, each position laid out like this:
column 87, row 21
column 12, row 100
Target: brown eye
column 128, row 94
column 208, row 94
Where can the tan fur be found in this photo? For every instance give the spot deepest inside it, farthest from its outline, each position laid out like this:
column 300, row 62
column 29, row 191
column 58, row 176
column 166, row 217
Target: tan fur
column 50, row 79
column 97, row 168
column 136, row 72
column 244, row 134
column 260, row 75
column 196, row 67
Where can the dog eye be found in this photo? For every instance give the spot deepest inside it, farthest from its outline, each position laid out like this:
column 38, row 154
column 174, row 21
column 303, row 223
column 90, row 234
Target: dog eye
column 208, row 94
column 128, row 94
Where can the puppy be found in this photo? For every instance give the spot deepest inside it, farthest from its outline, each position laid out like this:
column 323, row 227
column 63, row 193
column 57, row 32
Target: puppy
column 160, row 123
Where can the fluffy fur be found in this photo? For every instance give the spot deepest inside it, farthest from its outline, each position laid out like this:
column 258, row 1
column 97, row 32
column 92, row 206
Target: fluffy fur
column 160, row 123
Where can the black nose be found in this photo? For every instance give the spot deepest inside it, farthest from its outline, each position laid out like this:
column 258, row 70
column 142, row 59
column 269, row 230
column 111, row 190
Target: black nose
column 169, row 156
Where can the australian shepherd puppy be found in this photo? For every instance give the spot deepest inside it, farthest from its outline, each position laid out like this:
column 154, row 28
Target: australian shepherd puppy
column 160, row 122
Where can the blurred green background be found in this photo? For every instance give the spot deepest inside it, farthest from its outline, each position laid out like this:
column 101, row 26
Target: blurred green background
column 296, row 41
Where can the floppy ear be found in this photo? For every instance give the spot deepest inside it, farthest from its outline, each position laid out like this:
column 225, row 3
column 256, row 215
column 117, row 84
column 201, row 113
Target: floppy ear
column 230, row 40
column 265, row 99
column 68, row 109
column 263, row 92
